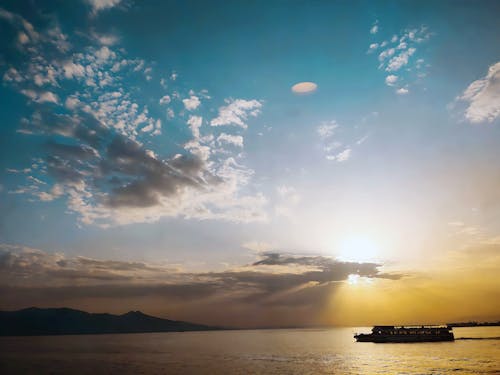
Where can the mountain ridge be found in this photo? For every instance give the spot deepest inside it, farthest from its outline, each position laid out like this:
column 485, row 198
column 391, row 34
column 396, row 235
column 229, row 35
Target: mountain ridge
column 35, row 321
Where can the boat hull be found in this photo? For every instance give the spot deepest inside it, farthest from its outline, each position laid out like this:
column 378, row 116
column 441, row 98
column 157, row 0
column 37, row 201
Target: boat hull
column 403, row 338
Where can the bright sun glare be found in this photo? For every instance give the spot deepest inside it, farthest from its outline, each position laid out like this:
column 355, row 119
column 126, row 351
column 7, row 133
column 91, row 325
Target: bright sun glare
column 353, row 279
column 357, row 248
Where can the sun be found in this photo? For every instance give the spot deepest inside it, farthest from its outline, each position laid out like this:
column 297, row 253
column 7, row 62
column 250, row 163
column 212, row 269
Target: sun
column 358, row 248
column 353, row 279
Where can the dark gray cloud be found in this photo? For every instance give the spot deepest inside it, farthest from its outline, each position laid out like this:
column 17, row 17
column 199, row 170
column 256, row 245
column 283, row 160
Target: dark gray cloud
column 328, row 269
column 122, row 171
column 279, row 289
column 273, row 259
column 118, row 265
column 67, row 151
column 63, row 170
column 316, row 276
column 149, row 178
column 76, row 274
column 79, row 277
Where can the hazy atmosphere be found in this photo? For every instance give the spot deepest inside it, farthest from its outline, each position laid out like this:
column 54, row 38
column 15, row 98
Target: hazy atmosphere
column 252, row 163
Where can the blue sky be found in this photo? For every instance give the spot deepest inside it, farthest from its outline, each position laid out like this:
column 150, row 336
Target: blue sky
column 169, row 132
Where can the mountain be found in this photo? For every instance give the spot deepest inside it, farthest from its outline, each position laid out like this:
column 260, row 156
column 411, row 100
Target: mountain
column 64, row 321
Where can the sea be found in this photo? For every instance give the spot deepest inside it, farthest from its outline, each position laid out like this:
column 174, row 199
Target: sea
column 280, row 351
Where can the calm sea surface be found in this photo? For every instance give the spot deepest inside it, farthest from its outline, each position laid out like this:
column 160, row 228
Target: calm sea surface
column 291, row 351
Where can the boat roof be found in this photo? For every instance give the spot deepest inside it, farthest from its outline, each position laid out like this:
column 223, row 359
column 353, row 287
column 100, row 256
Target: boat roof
column 410, row 327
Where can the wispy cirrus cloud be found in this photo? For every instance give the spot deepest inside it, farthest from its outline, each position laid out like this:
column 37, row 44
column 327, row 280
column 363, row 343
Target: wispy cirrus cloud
column 326, row 129
column 334, row 149
column 339, row 142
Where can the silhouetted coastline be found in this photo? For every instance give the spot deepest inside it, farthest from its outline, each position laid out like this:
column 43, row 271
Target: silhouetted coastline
column 35, row 321
column 474, row 324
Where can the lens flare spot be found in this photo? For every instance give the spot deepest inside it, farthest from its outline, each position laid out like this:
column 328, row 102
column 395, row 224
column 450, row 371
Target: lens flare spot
column 304, row 87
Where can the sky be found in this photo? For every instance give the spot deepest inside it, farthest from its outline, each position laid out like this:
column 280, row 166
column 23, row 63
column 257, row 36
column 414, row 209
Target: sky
column 252, row 163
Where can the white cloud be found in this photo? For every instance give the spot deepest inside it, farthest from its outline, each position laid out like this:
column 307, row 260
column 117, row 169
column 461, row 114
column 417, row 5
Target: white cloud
column 385, row 54
column 397, row 62
column 200, row 150
column 71, row 102
column 344, row 155
column 341, row 156
column 56, row 191
column 394, row 55
column 236, row 112
column 47, row 75
column 73, row 70
column 372, row 47
column 106, row 39
column 165, row 100
column 23, row 38
column 30, row 35
column 235, row 140
column 12, row 170
column 332, row 146
column 58, row 39
column 157, row 128
column 41, row 97
column 148, row 128
column 12, row 75
column 98, row 5
column 326, row 129
column 170, row 113
column 402, row 45
column 483, row 97
column 362, row 139
column 374, row 28
column 194, row 123
column 104, row 53
column 191, row 103
column 391, row 80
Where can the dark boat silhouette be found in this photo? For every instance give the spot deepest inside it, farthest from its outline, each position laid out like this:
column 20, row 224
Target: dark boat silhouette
column 381, row 334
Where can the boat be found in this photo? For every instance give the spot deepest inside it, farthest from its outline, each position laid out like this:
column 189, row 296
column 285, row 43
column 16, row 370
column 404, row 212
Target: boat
column 381, row 334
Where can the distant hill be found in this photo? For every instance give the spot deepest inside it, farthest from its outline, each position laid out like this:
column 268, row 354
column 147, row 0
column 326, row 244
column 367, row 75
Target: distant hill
column 474, row 324
column 64, row 321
